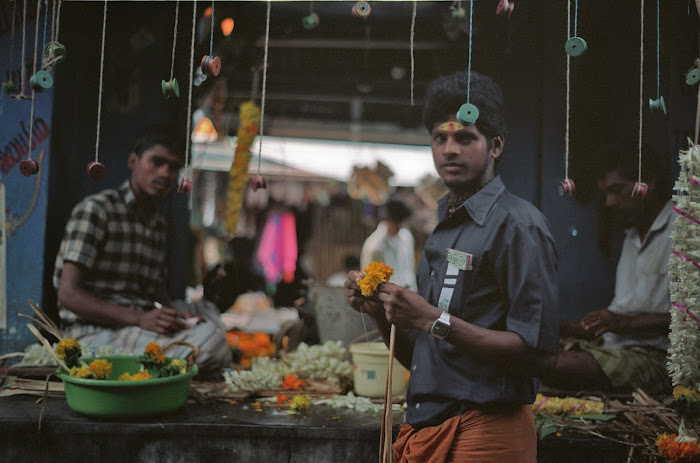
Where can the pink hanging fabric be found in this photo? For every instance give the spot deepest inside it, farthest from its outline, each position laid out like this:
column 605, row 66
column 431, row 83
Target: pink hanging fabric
column 277, row 252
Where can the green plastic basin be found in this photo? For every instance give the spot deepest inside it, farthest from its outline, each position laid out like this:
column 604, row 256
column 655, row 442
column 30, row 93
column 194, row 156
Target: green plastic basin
column 110, row 398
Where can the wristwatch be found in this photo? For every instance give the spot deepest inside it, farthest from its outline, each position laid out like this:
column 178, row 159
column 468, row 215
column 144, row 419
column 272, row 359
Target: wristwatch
column 441, row 327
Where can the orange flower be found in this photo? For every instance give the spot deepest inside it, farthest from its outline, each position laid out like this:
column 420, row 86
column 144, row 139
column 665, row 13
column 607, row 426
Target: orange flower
column 65, row 345
column 155, row 352
column 676, row 451
column 281, row 399
column 292, row 381
column 101, row 368
column 375, row 274
column 140, row 376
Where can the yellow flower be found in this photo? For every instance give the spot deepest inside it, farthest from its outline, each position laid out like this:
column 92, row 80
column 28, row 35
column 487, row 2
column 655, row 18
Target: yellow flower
column 681, row 391
column 300, row 402
column 180, row 365
column 140, row 376
column 66, row 345
column 375, row 274
column 101, row 368
column 155, row 352
column 567, row 405
column 82, row 372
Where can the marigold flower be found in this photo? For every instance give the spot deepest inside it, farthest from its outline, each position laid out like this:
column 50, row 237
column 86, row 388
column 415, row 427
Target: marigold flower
column 140, row 376
column 292, row 381
column 155, row 352
column 375, row 274
column 300, row 402
column 180, row 365
column 682, row 391
column 676, row 451
column 281, row 399
column 101, row 368
column 68, row 348
column 82, row 372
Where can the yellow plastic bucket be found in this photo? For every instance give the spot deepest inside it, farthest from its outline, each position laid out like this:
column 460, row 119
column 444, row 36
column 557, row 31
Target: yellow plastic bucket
column 370, row 361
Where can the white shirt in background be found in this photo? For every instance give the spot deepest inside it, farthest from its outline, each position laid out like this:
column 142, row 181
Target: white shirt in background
column 395, row 251
column 641, row 283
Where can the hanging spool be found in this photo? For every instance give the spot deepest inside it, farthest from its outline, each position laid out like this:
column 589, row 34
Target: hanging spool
column 575, row 46
column 567, row 187
column 41, row 81
column 95, row 170
column 211, row 65
column 170, row 88
column 505, row 8
column 9, row 86
column 693, row 76
column 54, row 53
column 28, row 167
column 310, row 22
column 658, row 105
column 640, row 190
column 185, row 185
column 467, row 114
column 258, row 181
column 361, row 9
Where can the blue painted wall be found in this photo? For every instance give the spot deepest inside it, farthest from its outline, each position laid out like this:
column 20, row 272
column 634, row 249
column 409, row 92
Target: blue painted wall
column 26, row 197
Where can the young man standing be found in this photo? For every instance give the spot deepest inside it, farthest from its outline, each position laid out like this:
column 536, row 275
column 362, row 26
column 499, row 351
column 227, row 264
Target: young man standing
column 483, row 323
column 111, row 269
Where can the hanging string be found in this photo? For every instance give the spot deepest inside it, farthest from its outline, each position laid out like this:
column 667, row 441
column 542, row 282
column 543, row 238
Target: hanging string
column 469, row 66
column 413, row 34
column 641, row 82
column 99, row 94
column 172, row 60
column 24, row 34
column 264, row 83
column 31, row 111
column 211, row 35
column 46, row 16
column 311, row 8
column 576, row 19
column 568, row 91
column 58, row 19
column 53, row 20
column 12, row 34
column 189, row 98
column 658, row 46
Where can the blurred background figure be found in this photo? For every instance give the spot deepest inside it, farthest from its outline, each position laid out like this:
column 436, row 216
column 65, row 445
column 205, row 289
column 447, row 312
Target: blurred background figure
column 393, row 244
column 351, row 262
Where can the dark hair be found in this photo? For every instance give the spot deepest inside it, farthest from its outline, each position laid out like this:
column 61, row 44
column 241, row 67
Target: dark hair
column 153, row 135
column 351, row 262
column 623, row 158
column 396, row 211
column 446, row 94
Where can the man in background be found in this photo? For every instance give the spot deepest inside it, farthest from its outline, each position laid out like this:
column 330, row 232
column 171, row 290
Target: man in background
column 392, row 244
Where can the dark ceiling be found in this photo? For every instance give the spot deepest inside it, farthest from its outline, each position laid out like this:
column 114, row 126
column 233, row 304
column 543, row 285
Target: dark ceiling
column 348, row 68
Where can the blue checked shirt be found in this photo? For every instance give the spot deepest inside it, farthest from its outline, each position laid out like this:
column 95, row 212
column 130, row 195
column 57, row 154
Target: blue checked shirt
column 124, row 257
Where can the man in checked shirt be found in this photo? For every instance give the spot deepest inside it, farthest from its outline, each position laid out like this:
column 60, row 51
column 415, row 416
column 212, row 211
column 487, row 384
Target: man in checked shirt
column 111, row 269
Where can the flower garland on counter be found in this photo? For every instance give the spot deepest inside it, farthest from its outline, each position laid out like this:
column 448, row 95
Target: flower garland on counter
column 684, row 275
column 238, row 175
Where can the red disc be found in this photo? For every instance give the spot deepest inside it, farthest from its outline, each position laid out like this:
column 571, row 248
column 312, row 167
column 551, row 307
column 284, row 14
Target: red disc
column 96, row 170
column 28, row 167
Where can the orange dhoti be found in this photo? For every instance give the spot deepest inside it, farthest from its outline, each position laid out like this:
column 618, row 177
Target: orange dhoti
column 474, row 436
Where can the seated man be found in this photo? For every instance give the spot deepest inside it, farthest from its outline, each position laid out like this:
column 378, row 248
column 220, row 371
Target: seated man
column 623, row 346
column 111, row 270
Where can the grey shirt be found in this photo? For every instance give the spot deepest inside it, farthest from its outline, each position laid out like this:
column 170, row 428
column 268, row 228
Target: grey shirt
column 492, row 263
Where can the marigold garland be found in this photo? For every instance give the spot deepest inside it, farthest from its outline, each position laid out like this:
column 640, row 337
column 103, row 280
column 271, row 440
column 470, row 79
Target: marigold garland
column 375, row 274
column 567, row 405
column 238, row 174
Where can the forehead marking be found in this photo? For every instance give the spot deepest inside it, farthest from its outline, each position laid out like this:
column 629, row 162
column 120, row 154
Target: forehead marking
column 450, row 126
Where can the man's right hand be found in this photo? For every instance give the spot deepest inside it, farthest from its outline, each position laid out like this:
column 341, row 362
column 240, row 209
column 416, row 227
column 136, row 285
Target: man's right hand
column 355, row 298
column 164, row 320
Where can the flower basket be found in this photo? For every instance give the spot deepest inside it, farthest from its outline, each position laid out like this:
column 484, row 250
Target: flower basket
column 111, row 398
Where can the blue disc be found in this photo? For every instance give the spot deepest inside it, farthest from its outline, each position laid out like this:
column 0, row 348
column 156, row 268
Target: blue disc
column 693, row 77
column 467, row 114
column 575, row 46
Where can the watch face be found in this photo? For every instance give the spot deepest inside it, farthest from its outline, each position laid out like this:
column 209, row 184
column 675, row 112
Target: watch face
column 440, row 329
